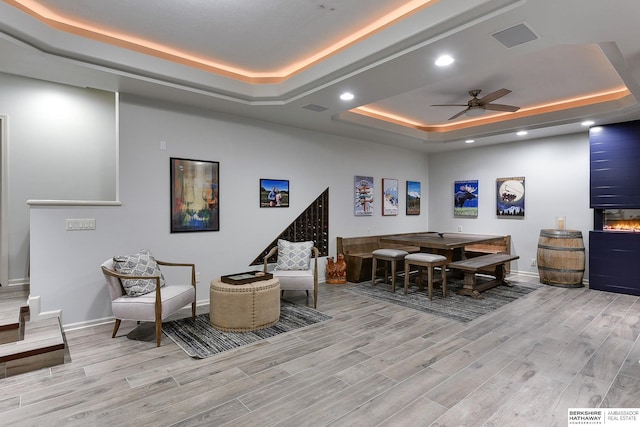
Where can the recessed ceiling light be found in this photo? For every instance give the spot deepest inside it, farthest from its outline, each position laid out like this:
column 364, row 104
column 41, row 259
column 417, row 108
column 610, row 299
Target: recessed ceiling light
column 588, row 123
column 347, row 96
column 522, row 133
column 470, row 141
column 444, row 60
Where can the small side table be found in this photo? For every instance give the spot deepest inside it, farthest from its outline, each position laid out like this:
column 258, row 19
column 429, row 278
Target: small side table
column 244, row 308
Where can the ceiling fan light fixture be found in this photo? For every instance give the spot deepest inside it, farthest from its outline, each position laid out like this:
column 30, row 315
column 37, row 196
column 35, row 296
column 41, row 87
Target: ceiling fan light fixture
column 474, row 111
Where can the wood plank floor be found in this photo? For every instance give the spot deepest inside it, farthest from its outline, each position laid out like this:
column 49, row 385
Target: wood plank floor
column 374, row 364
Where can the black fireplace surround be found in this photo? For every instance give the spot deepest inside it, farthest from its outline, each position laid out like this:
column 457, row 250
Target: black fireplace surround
column 614, row 243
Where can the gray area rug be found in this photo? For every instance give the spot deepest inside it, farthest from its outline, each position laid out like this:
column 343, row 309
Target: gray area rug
column 201, row 340
column 457, row 307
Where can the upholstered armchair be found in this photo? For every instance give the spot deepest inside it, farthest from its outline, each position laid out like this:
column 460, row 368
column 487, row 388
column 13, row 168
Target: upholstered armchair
column 294, row 268
column 138, row 291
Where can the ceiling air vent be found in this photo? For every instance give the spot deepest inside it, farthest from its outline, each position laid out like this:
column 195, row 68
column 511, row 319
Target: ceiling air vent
column 515, row 36
column 314, row 107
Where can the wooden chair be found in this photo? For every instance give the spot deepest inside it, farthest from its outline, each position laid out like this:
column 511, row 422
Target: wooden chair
column 151, row 307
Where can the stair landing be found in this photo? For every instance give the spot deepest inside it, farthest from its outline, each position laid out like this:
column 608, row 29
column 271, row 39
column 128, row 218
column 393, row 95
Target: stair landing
column 26, row 345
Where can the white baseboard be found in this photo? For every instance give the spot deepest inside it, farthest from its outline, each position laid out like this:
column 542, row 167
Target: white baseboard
column 525, row 273
column 533, row 274
column 36, row 314
column 105, row 320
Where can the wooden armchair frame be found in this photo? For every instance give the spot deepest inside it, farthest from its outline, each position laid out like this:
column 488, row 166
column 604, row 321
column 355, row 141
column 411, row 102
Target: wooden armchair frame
column 158, row 296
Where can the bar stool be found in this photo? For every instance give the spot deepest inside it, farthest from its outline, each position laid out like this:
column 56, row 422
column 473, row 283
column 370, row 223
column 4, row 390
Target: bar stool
column 429, row 261
column 390, row 256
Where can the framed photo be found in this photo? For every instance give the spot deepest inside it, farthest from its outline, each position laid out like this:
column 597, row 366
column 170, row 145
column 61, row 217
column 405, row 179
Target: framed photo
column 465, row 199
column 274, row 193
column 510, row 197
column 195, row 186
column 389, row 196
column 363, row 201
column 413, row 197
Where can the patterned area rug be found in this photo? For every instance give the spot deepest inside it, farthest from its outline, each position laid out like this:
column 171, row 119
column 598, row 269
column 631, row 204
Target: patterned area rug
column 457, row 307
column 200, row 340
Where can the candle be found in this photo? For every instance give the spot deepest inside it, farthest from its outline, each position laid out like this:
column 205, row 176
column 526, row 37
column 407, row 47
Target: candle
column 560, row 223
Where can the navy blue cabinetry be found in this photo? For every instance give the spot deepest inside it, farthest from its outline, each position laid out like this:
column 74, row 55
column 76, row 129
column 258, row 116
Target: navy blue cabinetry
column 613, row 262
column 615, row 166
column 614, row 257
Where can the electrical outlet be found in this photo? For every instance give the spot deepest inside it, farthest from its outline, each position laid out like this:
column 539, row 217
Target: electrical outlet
column 459, row 229
column 533, row 262
column 81, row 224
column 197, row 277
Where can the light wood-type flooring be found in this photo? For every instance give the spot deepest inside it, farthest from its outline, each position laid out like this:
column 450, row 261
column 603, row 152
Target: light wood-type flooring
column 374, row 364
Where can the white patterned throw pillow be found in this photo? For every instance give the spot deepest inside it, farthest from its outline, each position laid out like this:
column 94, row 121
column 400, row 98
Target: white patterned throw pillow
column 293, row 256
column 139, row 264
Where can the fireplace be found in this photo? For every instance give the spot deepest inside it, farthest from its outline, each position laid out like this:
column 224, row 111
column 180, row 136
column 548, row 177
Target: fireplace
column 614, row 243
column 618, row 220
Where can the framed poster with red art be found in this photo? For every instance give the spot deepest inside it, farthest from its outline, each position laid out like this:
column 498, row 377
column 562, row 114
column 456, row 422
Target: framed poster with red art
column 363, row 202
column 194, row 195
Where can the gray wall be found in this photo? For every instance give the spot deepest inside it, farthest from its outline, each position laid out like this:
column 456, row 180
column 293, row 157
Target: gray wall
column 65, row 264
column 247, row 151
column 556, row 172
column 62, row 144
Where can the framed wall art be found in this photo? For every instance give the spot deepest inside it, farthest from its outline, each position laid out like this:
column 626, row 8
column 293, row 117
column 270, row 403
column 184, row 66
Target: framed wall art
column 413, row 197
column 510, row 197
column 389, row 196
column 274, row 193
column 465, row 199
column 363, row 200
column 195, row 186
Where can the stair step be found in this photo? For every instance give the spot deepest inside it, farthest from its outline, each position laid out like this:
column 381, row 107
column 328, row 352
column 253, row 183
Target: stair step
column 11, row 322
column 43, row 346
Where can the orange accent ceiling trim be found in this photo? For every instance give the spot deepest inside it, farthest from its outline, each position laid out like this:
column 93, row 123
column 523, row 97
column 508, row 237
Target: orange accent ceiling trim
column 69, row 25
column 535, row 110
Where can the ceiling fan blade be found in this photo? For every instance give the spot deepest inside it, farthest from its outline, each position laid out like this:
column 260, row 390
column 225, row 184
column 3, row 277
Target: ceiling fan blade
column 455, row 116
column 449, row 105
column 494, row 95
column 501, row 107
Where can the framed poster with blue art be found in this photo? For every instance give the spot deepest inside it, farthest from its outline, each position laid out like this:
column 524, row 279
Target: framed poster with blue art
column 363, row 202
column 510, row 197
column 194, row 195
column 413, row 198
column 389, row 196
column 274, row 193
column 465, row 199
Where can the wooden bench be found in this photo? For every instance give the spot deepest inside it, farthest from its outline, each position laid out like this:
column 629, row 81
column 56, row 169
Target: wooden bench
column 498, row 246
column 357, row 254
column 480, row 264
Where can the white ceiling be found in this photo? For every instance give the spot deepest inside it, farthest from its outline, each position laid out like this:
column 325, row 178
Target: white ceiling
column 267, row 59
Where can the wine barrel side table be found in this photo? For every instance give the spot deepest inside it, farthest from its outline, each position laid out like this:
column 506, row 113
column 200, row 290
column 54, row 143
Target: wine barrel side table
column 561, row 258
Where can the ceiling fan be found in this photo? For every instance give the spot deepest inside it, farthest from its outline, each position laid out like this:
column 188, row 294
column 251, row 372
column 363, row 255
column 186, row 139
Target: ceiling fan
column 477, row 107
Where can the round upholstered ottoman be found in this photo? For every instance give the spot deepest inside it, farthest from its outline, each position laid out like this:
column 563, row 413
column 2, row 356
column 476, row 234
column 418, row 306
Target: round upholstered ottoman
column 243, row 308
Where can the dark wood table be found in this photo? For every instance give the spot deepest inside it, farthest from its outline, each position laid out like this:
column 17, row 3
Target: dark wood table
column 454, row 242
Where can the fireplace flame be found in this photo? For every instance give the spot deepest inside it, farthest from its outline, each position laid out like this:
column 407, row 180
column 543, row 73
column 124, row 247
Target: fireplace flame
column 628, row 226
